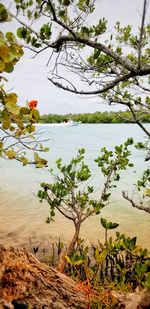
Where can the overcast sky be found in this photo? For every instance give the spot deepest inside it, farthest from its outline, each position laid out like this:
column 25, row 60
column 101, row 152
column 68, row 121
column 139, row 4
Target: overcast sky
column 29, row 79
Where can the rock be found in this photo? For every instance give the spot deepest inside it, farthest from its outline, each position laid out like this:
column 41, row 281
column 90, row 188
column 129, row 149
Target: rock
column 137, row 300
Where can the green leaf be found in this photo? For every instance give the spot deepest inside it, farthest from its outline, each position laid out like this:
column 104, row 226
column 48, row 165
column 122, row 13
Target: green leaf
column 104, row 222
column 82, row 151
column 9, row 67
column 100, row 257
column 40, row 162
column 108, row 225
column 148, row 281
column 24, row 110
column 3, row 13
column 11, row 37
column 6, row 124
column 48, row 220
column 112, row 226
column 66, row 2
column 68, row 259
column 24, row 160
column 62, row 14
column 11, row 97
column 130, row 164
column 4, row 53
column 129, row 243
column 147, row 192
column 12, row 108
column 140, row 269
column 30, row 128
column 35, row 114
column 22, row 32
column 45, row 31
column 59, row 162
column 79, row 262
column 1, row 144
column 46, row 149
column 2, row 65
column 106, row 196
column 11, row 154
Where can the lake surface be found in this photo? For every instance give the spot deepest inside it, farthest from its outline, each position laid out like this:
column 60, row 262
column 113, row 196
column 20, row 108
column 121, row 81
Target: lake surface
column 22, row 217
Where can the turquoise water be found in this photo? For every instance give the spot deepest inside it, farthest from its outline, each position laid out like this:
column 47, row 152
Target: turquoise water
column 22, row 217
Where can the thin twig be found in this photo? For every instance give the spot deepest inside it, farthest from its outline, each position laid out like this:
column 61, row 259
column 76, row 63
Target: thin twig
column 125, row 195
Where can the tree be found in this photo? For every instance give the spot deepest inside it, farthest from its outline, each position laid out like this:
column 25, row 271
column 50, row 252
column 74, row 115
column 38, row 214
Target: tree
column 70, row 194
column 17, row 123
column 115, row 67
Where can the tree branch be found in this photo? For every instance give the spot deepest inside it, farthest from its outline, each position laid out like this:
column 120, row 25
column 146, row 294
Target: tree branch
column 60, row 210
column 58, row 21
column 125, row 195
column 97, row 45
column 135, row 120
column 141, row 33
column 107, row 87
column 126, row 63
column 141, row 86
column 138, row 121
column 21, row 141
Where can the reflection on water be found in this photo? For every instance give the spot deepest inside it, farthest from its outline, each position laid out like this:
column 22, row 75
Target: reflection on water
column 22, row 217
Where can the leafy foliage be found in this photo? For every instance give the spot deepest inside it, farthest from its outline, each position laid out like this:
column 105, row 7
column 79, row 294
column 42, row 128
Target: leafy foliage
column 117, row 264
column 120, row 263
column 70, row 192
column 17, row 123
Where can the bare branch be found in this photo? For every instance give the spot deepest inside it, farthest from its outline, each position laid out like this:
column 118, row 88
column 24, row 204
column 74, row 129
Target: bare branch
column 65, row 79
column 138, row 121
column 108, row 86
column 141, row 86
column 21, row 141
column 125, row 195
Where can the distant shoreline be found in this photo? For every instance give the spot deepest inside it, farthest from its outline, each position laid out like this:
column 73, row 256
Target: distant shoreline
column 96, row 118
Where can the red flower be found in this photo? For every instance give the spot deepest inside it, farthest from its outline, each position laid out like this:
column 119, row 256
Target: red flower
column 33, row 104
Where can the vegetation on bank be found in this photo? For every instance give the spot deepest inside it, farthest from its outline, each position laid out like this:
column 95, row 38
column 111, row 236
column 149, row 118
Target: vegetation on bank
column 98, row 117
column 115, row 264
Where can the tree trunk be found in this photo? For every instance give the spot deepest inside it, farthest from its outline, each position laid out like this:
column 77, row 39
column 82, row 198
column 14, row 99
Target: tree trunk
column 25, row 282
column 62, row 260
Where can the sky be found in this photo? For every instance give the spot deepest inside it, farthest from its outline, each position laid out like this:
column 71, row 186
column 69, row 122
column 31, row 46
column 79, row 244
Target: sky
column 29, row 79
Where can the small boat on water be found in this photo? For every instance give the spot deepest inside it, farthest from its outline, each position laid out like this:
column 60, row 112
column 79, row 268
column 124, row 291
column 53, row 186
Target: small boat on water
column 68, row 123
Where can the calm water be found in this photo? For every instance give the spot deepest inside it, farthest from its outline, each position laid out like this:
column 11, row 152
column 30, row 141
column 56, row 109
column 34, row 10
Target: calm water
column 22, row 217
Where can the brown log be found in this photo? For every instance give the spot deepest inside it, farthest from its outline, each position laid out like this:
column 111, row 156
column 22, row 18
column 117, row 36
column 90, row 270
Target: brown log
column 25, row 282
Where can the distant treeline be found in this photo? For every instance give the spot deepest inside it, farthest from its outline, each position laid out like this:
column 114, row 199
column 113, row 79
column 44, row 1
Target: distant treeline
column 98, row 117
